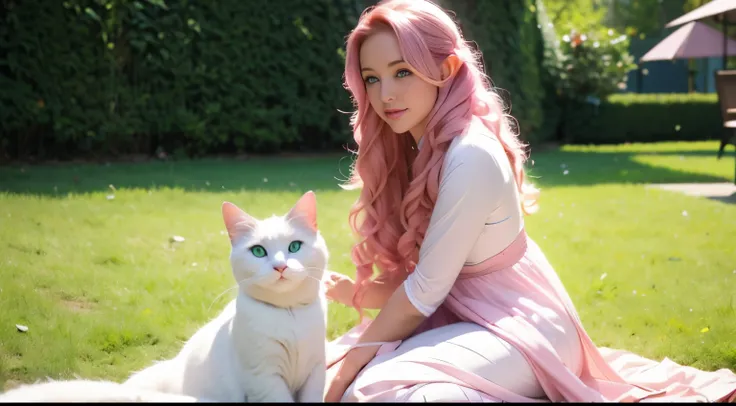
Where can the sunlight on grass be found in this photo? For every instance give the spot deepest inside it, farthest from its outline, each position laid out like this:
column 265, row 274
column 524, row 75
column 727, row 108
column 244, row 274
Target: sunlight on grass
column 702, row 165
column 93, row 273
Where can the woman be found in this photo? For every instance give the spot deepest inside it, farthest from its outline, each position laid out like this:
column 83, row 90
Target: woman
column 470, row 307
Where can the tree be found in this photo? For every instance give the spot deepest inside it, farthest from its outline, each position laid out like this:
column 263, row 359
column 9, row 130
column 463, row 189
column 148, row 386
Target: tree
column 637, row 17
column 578, row 15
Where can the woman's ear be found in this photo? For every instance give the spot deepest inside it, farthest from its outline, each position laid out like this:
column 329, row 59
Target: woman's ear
column 450, row 66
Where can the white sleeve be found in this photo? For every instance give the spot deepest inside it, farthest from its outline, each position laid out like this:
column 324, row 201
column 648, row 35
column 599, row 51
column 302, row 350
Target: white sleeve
column 469, row 190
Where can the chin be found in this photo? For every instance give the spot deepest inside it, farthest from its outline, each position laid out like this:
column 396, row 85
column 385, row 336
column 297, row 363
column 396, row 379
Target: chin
column 284, row 285
column 398, row 128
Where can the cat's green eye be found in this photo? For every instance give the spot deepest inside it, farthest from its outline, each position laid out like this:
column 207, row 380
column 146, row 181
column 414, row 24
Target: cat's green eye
column 295, row 246
column 258, row 251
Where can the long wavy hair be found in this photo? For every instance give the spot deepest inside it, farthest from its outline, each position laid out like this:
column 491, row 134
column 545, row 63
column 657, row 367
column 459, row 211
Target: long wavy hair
column 399, row 185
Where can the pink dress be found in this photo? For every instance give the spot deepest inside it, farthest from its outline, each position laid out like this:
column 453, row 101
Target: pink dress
column 517, row 296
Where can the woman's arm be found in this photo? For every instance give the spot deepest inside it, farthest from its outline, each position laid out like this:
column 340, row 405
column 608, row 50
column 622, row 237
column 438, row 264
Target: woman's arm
column 377, row 294
column 340, row 288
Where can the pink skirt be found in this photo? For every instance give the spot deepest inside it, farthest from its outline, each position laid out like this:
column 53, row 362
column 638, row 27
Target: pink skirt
column 518, row 296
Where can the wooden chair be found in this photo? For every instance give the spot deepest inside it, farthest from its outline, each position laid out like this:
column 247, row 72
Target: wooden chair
column 726, row 89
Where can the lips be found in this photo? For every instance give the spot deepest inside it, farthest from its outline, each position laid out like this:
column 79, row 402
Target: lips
column 395, row 114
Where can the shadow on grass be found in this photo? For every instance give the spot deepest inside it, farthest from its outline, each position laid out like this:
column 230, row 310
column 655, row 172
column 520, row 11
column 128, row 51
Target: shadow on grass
column 724, row 199
column 297, row 174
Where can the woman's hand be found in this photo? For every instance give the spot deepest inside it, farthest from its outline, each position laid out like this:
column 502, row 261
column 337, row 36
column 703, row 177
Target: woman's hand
column 338, row 287
column 347, row 369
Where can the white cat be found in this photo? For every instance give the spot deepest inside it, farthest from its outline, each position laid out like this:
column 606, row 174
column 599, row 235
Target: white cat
column 267, row 345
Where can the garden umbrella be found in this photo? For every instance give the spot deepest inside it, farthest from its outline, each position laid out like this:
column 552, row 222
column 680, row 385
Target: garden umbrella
column 693, row 40
column 723, row 11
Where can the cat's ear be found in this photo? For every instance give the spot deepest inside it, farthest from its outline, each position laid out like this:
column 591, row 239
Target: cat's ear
column 236, row 220
column 305, row 211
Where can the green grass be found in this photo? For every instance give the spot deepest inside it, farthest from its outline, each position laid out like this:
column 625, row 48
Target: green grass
column 104, row 292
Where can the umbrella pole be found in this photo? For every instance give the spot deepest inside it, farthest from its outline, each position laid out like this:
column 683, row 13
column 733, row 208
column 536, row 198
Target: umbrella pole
column 725, row 40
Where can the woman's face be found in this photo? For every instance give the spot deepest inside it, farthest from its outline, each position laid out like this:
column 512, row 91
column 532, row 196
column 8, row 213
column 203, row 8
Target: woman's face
column 399, row 97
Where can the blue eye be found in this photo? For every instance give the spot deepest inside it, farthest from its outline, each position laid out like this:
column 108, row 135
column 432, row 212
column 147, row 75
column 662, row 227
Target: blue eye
column 403, row 73
column 258, row 251
column 370, row 80
column 295, row 246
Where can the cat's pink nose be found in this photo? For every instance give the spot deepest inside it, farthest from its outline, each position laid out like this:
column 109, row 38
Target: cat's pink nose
column 279, row 269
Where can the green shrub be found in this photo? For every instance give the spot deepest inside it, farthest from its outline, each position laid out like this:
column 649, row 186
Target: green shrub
column 644, row 118
column 594, row 64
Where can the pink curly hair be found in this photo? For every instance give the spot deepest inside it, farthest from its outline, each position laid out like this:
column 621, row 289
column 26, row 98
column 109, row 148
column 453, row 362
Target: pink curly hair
column 400, row 185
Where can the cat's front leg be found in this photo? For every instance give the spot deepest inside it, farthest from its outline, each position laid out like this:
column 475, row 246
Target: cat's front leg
column 313, row 390
column 269, row 389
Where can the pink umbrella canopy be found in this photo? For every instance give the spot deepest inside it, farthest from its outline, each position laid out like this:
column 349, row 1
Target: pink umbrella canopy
column 716, row 9
column 693, row 40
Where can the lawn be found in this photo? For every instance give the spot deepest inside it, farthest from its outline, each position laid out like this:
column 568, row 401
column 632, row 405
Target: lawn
column 88, row 265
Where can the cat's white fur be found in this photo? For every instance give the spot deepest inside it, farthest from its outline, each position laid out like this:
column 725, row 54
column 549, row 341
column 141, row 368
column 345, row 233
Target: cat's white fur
column 87, row 391
column 268, row 344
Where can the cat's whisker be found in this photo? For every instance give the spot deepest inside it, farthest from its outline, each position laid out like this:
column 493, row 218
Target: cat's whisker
column 316, row 279
column 220, row 295
column 237, row 285
column 316, row 268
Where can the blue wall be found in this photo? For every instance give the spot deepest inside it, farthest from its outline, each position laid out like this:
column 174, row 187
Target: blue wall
column 657, row 76
column 705, row 81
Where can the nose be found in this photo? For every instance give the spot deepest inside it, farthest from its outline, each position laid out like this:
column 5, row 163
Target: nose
column 387, row 92
column 279, row 268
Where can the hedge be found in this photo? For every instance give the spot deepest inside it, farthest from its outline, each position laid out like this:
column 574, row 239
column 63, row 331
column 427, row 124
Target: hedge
column 644, row 118
column 117, row 76
column 109, row 77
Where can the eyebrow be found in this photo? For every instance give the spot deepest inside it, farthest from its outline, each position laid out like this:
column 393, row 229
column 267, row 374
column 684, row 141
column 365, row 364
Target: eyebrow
column 390, row 64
